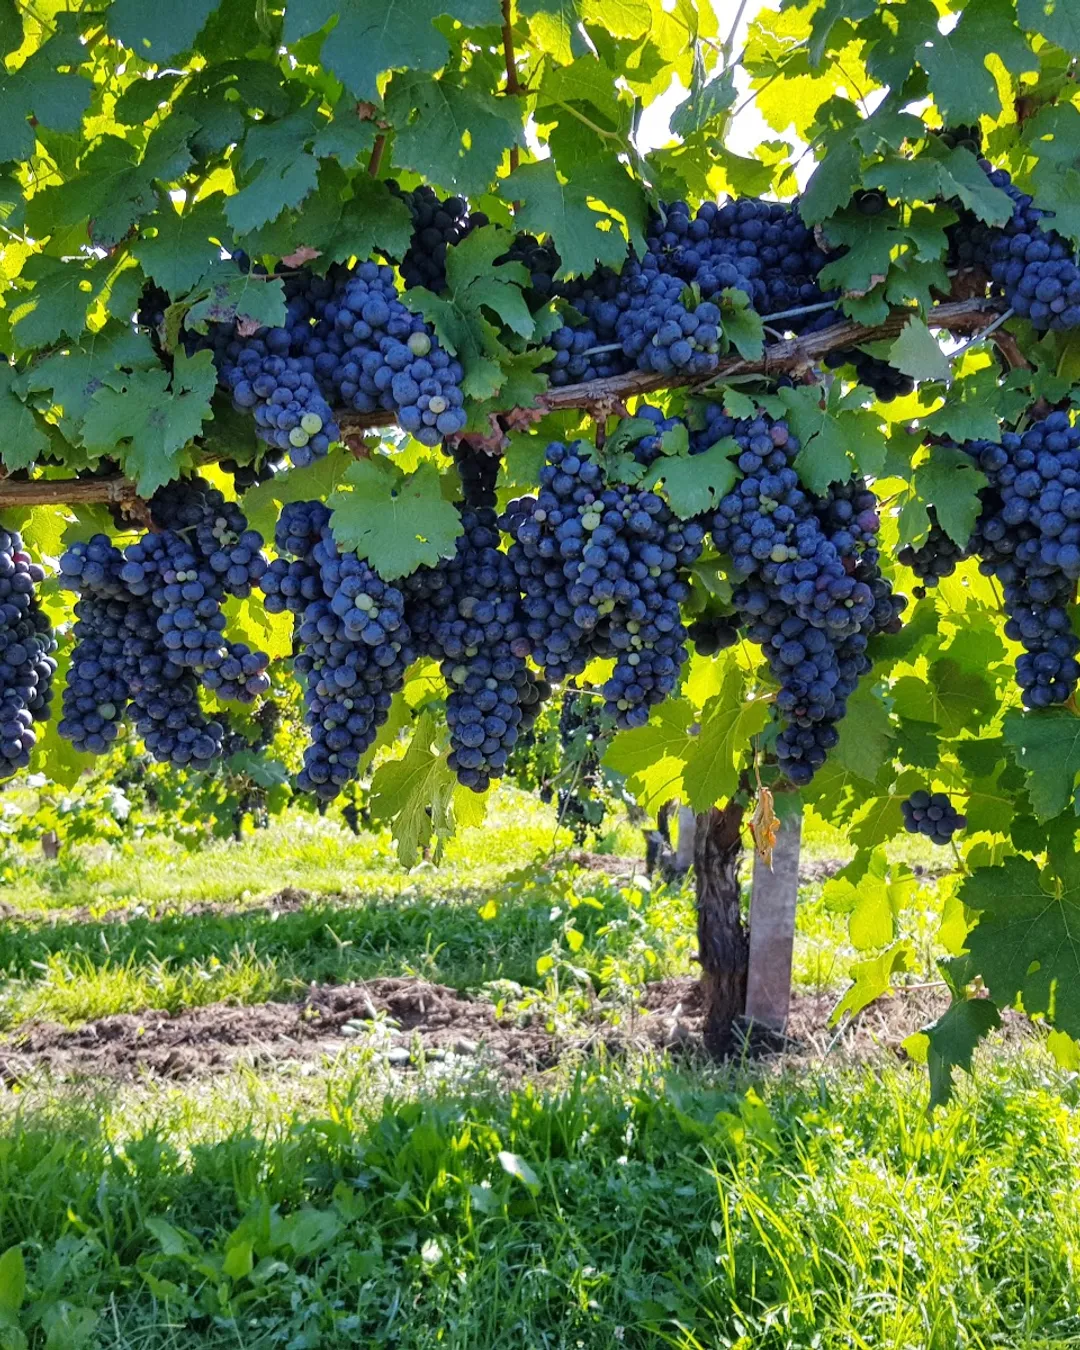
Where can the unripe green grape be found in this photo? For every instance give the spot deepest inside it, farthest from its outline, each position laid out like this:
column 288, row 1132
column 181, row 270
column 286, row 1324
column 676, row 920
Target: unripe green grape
column 419, row 344
column 311, row 423
column 298, row 437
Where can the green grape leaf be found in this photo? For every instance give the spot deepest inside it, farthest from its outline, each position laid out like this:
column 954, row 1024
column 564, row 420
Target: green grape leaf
column 964, row 88
column 1051, row 136
column 952, row 1039
column 1057, row 20
column 717, row 753
column 74, row 375
column 158, row 32
column 949, row 481
column 473, row 285
column 22, row 440
column 971, row 411
column 397, row 521
column 872, row 978
column 562, row 209
column 254, row 764
column 415, row 794
column 57, row 305
column 115, row 186
column 228, row 295
column 40, row 91
column 952, row 698
column 1026, row 944
column 262, row 504
column 834, row 440
column 917, row 353
column 695, row 483
column 866, row 733
column 147, row 418
column 742, row 324
column 448, row 132
column 279, row 184
column 831, row 184
column 654, row 756
column 916, row 743
column 1046, row 745
column 366, row 40
column 185, row 248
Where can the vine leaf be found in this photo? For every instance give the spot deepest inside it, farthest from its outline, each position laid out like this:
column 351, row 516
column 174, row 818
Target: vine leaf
column 474, row 284
column 952, row 698
column 56, row 307
column 1047, row 747
column 226, row 294
column 286, row 171
column 955, row 62
column 562, row 209
column 73, row 376
column 696, row 483
column 158, row 32
column 263, row 502
column 1026, row 945
column 415, row 794
column 115, row 186
column 714, row 756
column 1058, row 22
column 397, row 522
column 872, row 978
column 369, row 39
column 916, row 352
column 39, row 90
column 654, row 755
column 950, row 1042
column 950, row 481
column 21, row 439
column 449, row 133
column 185, row 247
column 866, row 733
column 149, row 418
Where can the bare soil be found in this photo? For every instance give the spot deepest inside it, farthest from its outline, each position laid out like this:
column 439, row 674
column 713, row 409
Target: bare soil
column 430, row 1020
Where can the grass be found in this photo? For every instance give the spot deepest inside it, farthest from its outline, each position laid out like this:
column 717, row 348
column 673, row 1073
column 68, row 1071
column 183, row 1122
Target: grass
column 613, row 1201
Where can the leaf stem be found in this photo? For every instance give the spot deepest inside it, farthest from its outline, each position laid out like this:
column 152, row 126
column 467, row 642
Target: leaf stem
column 375, row 159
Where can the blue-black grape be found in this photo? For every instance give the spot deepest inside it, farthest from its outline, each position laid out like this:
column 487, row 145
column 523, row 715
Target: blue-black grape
column 932, row 815
column 438, row 225
column 27, row 665
column 602, row 571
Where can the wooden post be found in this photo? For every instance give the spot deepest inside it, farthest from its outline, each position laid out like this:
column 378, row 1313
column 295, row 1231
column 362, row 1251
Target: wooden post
column 684, row 844
column 772, row 929
column 723, row 948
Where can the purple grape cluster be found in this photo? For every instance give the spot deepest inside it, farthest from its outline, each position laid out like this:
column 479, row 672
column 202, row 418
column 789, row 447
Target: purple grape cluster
column 932, row 815
column 812, row 592
column 438, row 224
column 466, row 613
column 353, row 644
column 27, row 665
column 602, row 571
column 119, row 666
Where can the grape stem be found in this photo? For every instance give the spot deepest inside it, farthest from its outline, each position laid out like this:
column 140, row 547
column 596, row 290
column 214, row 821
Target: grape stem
column 983, row 333
column 513, row 86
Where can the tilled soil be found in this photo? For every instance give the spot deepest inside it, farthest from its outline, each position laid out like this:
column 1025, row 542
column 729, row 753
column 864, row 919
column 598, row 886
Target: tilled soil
column 428, row 1020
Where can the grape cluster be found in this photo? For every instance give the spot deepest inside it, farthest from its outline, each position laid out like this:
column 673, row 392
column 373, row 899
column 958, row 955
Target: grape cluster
column 1028, row 537
column 601, row 567
column 812, row 593
column 932, row 815
column 438, row 224
column 347, row 339
column 936, row 557
column 713, row 633
column 118, row 664
column 27, row 665
column 203, row 553
column 661, row 312
column 354, row 645
column 466, row 613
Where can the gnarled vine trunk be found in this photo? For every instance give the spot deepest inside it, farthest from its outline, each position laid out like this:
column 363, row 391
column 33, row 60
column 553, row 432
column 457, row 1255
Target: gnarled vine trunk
column 723, row 943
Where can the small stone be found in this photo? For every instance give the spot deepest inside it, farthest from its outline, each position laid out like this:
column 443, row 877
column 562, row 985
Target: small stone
column 465, row 1047
column 398, row 1057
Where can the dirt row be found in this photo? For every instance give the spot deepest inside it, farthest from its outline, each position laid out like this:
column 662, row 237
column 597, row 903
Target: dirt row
column 410, row 1020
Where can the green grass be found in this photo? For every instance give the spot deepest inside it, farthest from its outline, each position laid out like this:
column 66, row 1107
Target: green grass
column 614, row 1201
column 642, row 1205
